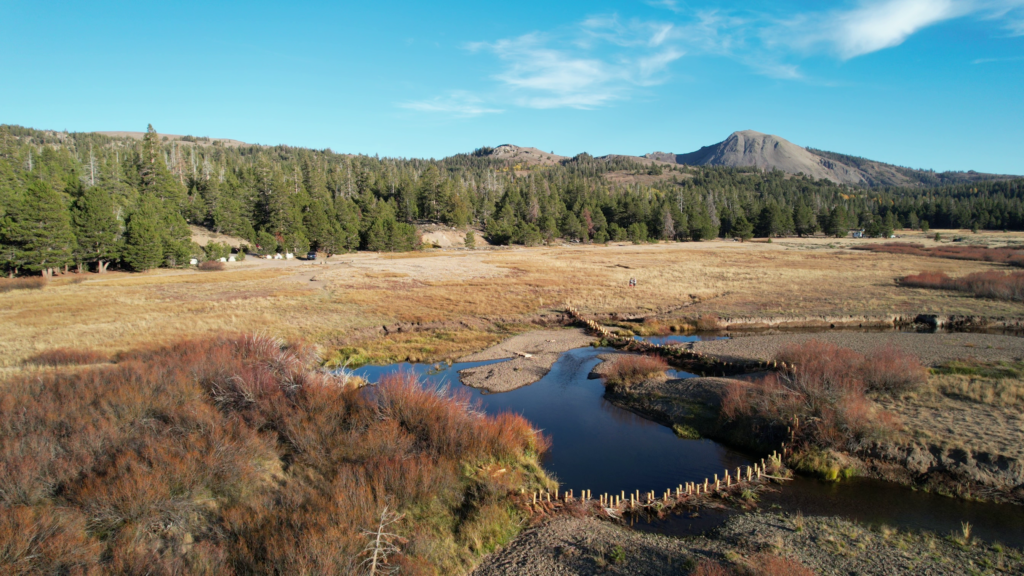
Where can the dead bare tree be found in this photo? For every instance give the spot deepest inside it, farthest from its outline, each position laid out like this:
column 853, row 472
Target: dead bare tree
column 382, row 545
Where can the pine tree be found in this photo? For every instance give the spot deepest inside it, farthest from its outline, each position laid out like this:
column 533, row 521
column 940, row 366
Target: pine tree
column 154, row 177
column 40, row 230
column 96, row 228
column 804, row 221
column 143, row 247
column 176, row 237
column 742, row 228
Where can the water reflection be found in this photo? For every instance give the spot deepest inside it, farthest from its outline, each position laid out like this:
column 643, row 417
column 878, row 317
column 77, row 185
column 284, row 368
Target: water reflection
column 676, row 339
column 604, row 450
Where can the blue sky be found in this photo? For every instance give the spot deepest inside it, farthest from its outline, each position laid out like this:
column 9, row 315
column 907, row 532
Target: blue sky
column 921, row 83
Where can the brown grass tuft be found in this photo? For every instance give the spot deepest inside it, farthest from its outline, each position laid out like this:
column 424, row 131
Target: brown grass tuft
column 27, row 283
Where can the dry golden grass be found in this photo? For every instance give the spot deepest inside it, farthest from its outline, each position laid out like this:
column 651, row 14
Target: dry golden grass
column 323, row 304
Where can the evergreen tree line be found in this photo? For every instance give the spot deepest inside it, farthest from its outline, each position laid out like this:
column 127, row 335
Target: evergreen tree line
column 91, row 200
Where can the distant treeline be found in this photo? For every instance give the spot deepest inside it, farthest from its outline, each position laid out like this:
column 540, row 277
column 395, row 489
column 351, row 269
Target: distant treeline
column 86, row 198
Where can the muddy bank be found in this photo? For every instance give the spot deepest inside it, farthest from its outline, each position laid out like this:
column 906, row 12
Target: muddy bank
column 932, row 349
column 532, row 355
column 569, row 546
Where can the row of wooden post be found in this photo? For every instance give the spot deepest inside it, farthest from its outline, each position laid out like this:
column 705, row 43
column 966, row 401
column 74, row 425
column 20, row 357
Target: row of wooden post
column 638, row 499
column 648, row 347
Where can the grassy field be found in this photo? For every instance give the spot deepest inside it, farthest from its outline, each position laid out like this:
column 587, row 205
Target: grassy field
column 483, row 294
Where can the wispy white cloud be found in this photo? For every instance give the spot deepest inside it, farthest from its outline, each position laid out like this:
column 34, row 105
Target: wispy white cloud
column 874, row 26
column 540, row 72
column 605, row 59
column 457, row 103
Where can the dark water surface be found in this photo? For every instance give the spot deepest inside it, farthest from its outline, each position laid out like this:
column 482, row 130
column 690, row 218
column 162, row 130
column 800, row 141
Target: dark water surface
column 603, row 448
column 596, row 445
column 875, row 503
column 674, row 339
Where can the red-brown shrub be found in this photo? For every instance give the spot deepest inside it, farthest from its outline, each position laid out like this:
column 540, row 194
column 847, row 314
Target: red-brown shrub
column 628, row 369
column 211, row 266
column 45, row 540
column 821, row 395
column 28, row 283
column 68, row 357
column 1011, row 256
column 890, row 369
column 709, row 323
column 232, row 455
column 992, row 284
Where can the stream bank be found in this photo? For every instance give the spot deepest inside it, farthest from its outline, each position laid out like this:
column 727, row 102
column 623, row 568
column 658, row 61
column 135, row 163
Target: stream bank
column 827, row 545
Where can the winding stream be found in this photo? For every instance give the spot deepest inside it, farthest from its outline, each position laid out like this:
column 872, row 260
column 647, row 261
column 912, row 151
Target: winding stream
column 601, row 447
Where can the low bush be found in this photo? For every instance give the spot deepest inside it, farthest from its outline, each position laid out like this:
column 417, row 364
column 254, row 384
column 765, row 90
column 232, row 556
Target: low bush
column 992, row 284
column 235, row 455
column 709, row 323
column 68, row 357
column 825, row 464
column 821, row 398
column 891, row 370
column 27, row 283
column 629, row 369
column 212, row 266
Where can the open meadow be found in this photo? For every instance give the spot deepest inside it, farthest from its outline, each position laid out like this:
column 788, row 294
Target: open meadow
column 472, row 299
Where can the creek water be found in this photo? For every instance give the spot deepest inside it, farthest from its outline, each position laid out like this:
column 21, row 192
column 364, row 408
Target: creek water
column 596, row 445
column 601, row 447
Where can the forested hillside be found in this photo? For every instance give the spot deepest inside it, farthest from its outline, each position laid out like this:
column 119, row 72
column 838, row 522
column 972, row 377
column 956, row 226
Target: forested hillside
column 90, row 199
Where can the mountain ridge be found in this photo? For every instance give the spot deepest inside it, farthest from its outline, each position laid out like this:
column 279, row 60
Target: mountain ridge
column 749, row 148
